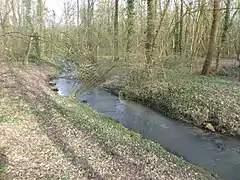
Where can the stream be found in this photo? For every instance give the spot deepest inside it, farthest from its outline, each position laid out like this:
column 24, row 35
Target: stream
column 217, row 153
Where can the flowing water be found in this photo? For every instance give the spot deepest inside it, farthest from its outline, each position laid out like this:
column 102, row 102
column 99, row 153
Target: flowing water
column 217, row 153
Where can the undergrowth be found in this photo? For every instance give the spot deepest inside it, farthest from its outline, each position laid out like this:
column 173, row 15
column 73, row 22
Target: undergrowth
column 191, row 98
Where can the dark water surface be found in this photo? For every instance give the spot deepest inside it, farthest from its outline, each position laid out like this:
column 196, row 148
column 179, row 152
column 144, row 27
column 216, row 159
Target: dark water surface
column 214, row 152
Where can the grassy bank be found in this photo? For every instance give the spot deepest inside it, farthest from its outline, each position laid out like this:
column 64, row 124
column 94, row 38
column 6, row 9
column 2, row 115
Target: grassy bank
column 45, row 136
column 191, row 98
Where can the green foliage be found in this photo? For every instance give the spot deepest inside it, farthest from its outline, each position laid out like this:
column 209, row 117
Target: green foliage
column 3, row 167
column 8, row 120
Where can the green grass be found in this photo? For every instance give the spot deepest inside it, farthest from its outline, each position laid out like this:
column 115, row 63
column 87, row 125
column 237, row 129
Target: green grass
column 13, row 109
column 8, row 120
column 3, row 167
column 65, row 176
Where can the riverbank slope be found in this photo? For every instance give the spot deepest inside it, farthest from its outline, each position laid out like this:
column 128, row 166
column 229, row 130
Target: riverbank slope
column 205, row 102
column 45, row 136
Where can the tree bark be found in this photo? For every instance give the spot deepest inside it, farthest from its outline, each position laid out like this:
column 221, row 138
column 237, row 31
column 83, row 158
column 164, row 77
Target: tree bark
column 27, row 14
column 150, row 32
column 181, row 28
column 78, row 21
column 176, row 28
column 39, row 44
column 116, row 53
column 226, row 25
column 212, row 42
column 130, row 24
column 91, row 45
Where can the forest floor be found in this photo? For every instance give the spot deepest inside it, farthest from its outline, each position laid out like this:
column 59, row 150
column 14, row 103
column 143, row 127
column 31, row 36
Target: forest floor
column 45, row 136
column 207, row 102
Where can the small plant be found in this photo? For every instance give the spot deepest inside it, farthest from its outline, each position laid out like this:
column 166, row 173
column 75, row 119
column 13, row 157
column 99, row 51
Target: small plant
column 3, row 160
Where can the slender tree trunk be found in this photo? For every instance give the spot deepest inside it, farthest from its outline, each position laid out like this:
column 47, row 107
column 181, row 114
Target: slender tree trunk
column 141, row 16
column 181, row 28
column 14, row 17
column 78, row 22
column 53, row 37
column 6, row 23
column 27, row 14
column 196, row 34
column 163, row 14
column 150, row 33
column 20, row 13
column 188, row 29
column 29, row 47
column 176, row 29
column 116, row 53
column 212, row 42
column 39, row 44
column 91, row 45
column 130, row 24
column 108, row 16
column 226, row 25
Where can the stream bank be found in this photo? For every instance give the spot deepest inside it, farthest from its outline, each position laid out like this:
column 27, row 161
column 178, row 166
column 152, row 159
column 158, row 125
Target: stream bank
column 214, row 152
column 46, row 136
column 193, row 99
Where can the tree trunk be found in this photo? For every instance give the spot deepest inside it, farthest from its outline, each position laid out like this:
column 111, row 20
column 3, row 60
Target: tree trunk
column 29, row 47
column 163, row 14
column 130, row 24
column 6, row 24
column 27, row 14
column 188, row 29
column 116, row 53
column 150, row 32
column 141, row 17
column 181, row 28
column 176, row 29
column 226, row 25
column 78, row 21
column 39, row 44
column 20, row 13
column 91, row 45
column 212, row 42
column 14, row 17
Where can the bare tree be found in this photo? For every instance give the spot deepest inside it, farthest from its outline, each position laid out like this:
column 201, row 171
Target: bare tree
column 153, row 32
column 212, row 42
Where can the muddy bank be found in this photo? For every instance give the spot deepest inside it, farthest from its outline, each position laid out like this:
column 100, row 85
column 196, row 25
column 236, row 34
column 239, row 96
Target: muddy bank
column 208, row 103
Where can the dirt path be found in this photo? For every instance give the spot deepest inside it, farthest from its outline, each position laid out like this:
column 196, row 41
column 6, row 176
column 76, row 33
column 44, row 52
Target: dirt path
column 44, row 136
